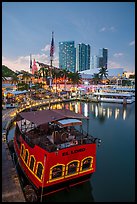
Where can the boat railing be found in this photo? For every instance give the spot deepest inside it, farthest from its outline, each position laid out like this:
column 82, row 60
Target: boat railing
column 53, row 143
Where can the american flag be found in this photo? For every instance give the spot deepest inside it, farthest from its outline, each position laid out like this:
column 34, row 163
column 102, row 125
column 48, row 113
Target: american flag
column 52, row 47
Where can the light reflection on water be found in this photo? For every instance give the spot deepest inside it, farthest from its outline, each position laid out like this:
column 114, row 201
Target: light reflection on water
column 114, row 179
column 106, row 110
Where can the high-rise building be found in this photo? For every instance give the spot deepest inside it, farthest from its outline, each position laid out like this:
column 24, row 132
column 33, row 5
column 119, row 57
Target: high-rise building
column 67, row 55
column 82, row 57
column 94, row 62
column 103, row 57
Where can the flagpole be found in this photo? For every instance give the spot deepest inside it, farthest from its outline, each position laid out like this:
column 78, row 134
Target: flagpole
column 30, row 64
column 43, row 179
column 51, row 59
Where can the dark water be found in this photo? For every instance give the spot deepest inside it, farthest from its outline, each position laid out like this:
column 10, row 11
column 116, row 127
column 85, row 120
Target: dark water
column 114, row 179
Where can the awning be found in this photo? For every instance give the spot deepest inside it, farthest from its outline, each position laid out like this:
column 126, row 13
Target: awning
column 46, row 116
column 69, row 122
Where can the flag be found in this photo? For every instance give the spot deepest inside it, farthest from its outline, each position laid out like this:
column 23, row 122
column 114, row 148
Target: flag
column 52, row 47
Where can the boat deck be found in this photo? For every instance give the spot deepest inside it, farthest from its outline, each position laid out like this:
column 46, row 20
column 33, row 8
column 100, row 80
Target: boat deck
column 56, row 140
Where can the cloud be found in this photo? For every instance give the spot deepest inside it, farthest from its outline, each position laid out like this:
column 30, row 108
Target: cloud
column 118, row 54
column 132, row 43
column 23, row 62
column 102, row 29
column 112, row 64
column 112, row 28
column 47, row 48
column 109, row 28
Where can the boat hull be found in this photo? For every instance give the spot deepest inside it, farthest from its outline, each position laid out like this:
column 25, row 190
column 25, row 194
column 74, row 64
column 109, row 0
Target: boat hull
column 64, row 157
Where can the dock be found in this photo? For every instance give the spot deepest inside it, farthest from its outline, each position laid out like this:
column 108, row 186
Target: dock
column 11, row 187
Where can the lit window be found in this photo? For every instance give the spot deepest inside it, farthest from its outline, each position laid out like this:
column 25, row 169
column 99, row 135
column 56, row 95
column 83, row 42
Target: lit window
column 72, row 167
column 57, row 171
column 86, row 164
column 39, row 170
column 26, row 156
column 32, row 161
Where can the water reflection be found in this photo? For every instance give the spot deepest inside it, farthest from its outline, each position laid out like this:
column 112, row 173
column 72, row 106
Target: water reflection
column 101, row 111
column 118, row 145
column 81, row 193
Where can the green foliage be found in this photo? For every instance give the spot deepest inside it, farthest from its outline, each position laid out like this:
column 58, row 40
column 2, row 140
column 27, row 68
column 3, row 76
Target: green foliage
column 23, row 86
column 7, row 72
column 132, row 76
column 103, row 72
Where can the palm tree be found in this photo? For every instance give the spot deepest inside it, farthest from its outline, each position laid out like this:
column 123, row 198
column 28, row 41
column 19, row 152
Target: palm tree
column 55, row 75
column 44, row 73
column 103, row 72
column 25, row 78
column 64, row 74
column 96, row 78
column 14, row 80
column 75, row 77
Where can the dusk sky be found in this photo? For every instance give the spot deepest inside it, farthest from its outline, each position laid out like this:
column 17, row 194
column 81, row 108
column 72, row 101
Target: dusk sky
column 27, row 28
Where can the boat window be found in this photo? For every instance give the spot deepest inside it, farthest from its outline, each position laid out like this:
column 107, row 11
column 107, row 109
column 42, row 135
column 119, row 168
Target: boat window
column 22, row 150
column 32, row 161
column 86, row 164
column 26, row 156
column 39, row 170
column 72, row 167
column 57, row 171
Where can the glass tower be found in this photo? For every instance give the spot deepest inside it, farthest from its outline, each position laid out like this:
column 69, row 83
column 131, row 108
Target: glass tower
column 103, row 57
column 67, row 55
column 82, row 57
column 94, row 62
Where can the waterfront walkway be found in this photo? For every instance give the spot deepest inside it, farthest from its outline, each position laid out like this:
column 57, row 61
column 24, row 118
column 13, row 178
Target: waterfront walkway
column 11, row 188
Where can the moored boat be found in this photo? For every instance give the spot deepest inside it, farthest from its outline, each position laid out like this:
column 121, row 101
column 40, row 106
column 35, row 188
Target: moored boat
column 113, row 97
column 53, row 151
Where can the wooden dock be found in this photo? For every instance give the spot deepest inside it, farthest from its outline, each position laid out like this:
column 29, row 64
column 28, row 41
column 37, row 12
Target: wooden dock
column 11, row 188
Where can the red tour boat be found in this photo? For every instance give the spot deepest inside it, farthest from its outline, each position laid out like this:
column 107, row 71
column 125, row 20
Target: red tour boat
column 53, row 151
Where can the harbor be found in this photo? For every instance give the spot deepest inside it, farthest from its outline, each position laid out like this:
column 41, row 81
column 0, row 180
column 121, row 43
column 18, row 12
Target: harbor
column 68, row 106
column 115, row 113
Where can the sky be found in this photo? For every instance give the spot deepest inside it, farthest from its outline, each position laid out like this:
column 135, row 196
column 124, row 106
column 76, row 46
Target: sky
column 27, row 29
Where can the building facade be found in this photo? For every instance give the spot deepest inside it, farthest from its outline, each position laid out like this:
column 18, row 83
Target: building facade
column 34, row 67
column 94, row 62
column 82, row 57
column 67, row 55
column 103, row 57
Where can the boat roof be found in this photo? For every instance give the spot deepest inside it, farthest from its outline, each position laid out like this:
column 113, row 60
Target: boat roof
column 69, row 122
column 46, row 116
column 111, row 94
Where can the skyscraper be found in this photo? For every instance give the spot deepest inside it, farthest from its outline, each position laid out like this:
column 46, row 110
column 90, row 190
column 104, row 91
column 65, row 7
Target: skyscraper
column 94, row 61
column 82, row 57
column 67, row 55
column 103, row 57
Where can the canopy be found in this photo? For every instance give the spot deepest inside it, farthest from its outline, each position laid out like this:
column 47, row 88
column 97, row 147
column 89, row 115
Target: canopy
column 45, row 116
column 69, row 122
column 16, row 92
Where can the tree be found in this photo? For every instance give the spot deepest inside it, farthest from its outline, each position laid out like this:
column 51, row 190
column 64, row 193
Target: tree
column 14, row 79
column 103, row 72
column 96, row 78
column 74, row 77
column 64, row 74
